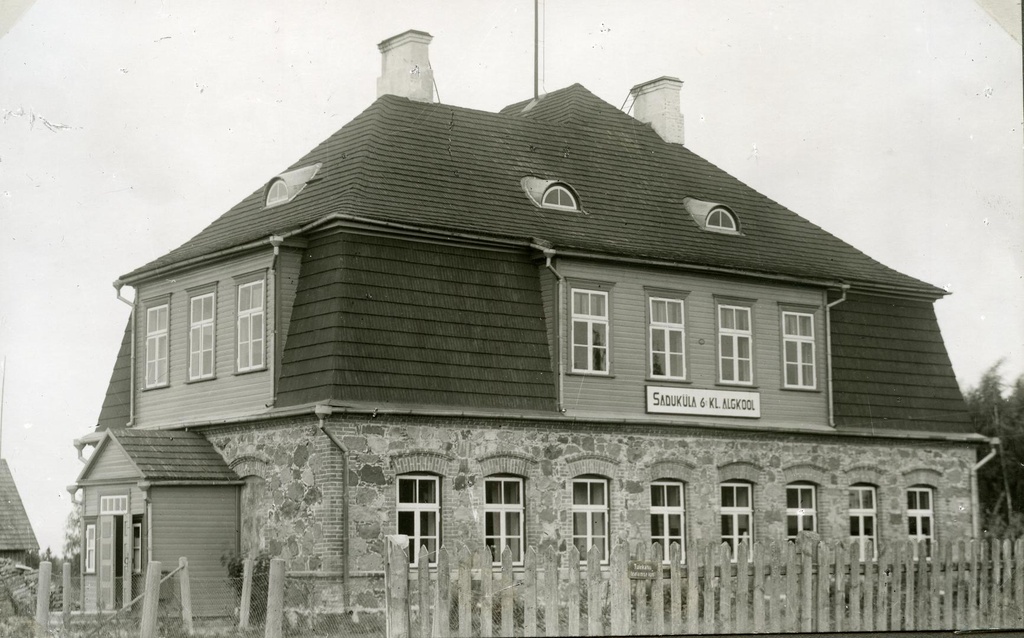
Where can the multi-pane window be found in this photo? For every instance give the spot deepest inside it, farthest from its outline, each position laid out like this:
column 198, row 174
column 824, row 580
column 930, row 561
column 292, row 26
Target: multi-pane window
column 137, row 548
column 503, row 516
column 113, row 505
column 737, row 514
column 798, row 349
column 156, row 346
column 863, row 519
column 419, row 513
column 200, row 337
column 589, row 331
column 559, row 197
column 667, row 338
column 250, row 326
column 720, row 219
column 801, row 515
column 590, row 515
column 920, row 520
column 90, row 548
column 668, row 517
column 734, row 344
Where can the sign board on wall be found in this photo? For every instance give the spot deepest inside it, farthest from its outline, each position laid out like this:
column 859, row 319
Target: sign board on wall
column 664, row 400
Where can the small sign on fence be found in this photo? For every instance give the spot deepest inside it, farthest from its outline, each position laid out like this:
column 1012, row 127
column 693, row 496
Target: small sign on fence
column 642, row 569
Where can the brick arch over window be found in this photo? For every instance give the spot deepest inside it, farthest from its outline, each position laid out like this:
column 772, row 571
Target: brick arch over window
column 869, row 474
column 807, row 472
column 423, row 461
column 740, row 471
column 678, row 470
column 922, row 476
column 592, row 464
column 251, row 466
column 507, row 463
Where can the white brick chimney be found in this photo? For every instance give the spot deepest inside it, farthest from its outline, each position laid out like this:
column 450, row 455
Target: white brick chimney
column 657, row 103
column 405, row 68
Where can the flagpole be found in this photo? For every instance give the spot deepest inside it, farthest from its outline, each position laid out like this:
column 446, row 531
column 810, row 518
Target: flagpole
column 3, row 382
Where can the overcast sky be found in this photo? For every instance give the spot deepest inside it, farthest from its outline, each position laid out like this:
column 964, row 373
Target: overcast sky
column 125, row 128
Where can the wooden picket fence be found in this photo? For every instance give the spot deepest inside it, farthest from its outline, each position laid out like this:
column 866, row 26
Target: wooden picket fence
column 787, row 587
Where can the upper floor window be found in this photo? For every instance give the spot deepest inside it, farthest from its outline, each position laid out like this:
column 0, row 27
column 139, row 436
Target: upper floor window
column 250, row 326
column 668, row 517
column 798, row 349
column 590, row 515
column 503, row 516
column 863, row 519
column 721, row 219
column 558, row 196
column 277, row 193
column 156, row 346
column 589, row 331
column 801, row 514
column 920, row 520
column 735, row 345
column 200, row 337
column 737, row 514
column 667, row 338
column 419, row 513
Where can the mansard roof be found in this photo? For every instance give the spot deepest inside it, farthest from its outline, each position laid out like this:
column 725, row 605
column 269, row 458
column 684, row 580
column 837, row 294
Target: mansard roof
column 451, row 169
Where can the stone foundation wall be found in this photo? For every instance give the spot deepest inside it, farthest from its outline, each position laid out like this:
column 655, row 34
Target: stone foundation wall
column 308, row 493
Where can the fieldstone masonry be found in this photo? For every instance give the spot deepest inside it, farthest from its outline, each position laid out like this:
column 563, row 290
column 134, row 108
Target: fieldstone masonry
column 308, row 493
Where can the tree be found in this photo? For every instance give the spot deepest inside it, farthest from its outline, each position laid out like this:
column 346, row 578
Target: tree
column 73, row 537
column 997, row 410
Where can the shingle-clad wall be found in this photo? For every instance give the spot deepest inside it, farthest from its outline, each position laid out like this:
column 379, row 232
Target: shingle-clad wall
column 311, row 532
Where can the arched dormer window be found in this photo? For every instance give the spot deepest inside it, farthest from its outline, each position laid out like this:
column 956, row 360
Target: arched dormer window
column 721, row 219
column 277, row 193
column 558, row 196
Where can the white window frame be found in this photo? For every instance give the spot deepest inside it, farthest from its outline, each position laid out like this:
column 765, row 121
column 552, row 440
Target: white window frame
column 90, row 548
column 663, row 513
column 801, row 512
column 720, row 214
column 860, row 514
column 116, row 505
column 499, row 540
column 418, row 536
column 734, row 512
column 199, row 330
column 588, row 510
column 137, row 548
column 157, row 335
column 916, row 515
column 666, row 329
column 559, row 192
column 804, row 363
column 251, row 349
column 278, row 193
column 735, row 336
column 587, row 321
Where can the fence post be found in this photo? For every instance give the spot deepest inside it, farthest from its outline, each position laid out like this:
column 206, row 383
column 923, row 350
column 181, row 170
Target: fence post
column 185, row 588
column 66, row 601
column 275, row 599
column 396, row 582
column 147, row 628
column 245, row 604
column 43, row 599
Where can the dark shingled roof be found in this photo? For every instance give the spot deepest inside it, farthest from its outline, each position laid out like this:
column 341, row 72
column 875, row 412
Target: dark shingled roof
column 15, row 529
column 449, row 168
column 392, row 321
column 116, row 408
column 173, row 456
column 890, row 367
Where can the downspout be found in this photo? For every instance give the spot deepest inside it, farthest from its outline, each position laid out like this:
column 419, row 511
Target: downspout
column 975, row 501
column 549, row 254
column 131, row 388
column 275, row 241
column 323, row 411
column 828, row 350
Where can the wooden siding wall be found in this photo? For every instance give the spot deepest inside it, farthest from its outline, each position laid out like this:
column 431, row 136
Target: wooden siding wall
column 112, row 463
column 91, row 498
column 623, row 391
column 228, row 393
column 201, row 523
